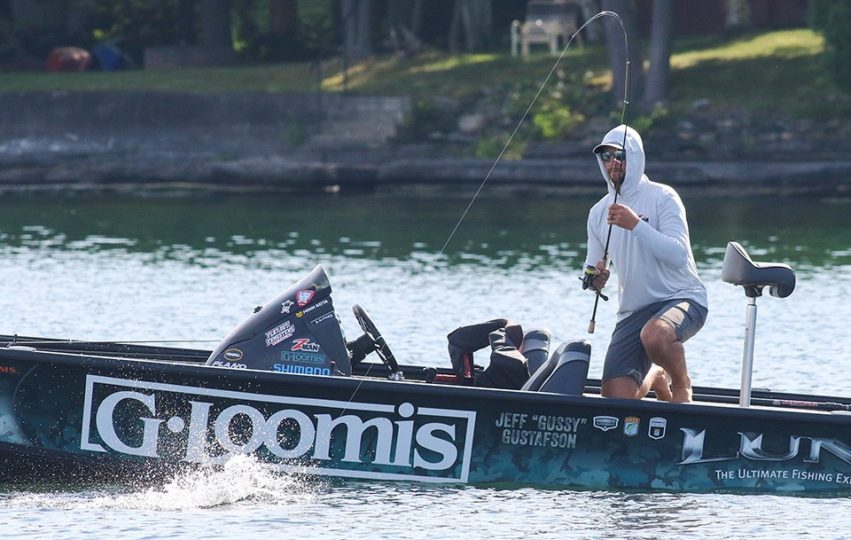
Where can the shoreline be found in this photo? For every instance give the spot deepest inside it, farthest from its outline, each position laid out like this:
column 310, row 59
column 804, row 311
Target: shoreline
column 152, row 143
column 167, row 172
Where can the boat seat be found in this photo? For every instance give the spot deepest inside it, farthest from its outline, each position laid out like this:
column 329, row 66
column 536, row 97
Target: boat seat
column 565, row 372
column 536, row 348
column 739, row 269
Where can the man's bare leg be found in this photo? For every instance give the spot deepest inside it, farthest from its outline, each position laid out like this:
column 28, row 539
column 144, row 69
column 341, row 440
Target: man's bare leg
column 621, row 387
column 659, row 381
column 660, row 342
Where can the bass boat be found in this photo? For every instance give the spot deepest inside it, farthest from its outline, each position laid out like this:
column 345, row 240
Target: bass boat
column 288, row 389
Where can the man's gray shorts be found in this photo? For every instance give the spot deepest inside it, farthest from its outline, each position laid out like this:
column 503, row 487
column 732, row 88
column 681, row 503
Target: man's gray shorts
column 626, row 356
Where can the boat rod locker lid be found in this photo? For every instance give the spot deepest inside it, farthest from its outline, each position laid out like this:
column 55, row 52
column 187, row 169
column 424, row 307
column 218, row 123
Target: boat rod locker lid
column 295, row 332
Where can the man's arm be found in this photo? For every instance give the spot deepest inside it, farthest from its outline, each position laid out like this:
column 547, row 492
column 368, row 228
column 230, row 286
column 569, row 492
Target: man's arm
column 670, row 243
column 595, row 243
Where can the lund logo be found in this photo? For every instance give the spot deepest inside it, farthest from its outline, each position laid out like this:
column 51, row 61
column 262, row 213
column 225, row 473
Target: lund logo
column 202, row 425
column 750, row 447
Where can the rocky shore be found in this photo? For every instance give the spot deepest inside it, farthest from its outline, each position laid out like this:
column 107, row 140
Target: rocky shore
column 141, row 143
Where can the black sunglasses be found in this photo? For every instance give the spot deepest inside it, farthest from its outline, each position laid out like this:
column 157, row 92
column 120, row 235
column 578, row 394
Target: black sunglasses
column 607, row 156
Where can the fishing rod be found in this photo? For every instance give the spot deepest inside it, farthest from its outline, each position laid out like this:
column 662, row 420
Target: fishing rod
column 588, row 278
column 520, row 123
column 590, row 271
column 532, row 103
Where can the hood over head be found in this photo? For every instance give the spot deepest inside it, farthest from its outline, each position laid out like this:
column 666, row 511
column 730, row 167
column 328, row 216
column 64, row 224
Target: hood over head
column 634, row 156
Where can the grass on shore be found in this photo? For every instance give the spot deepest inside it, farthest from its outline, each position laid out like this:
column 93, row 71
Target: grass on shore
column 764, row 72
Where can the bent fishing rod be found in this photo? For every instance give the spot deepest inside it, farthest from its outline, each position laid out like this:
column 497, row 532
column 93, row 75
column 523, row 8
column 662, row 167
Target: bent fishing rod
column 532, row 103
column 517, row 128
column 625, row 121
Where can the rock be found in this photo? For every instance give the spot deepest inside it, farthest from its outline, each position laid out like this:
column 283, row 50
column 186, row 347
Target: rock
column 699, row 104
column 472, row 123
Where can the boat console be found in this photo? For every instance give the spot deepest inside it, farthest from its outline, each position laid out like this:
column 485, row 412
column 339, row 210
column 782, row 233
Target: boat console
column 299, row 332
column 296, row 332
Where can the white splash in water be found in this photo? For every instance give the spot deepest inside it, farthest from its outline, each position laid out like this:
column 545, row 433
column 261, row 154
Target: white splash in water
column 242, row 478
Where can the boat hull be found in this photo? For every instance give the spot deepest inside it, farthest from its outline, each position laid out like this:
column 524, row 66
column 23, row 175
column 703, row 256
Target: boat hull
column 71, row 414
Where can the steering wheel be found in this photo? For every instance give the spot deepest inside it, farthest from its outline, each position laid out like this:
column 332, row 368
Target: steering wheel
column 380, row 346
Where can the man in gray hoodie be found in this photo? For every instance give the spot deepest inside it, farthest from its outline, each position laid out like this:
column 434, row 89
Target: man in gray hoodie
column 662, row 302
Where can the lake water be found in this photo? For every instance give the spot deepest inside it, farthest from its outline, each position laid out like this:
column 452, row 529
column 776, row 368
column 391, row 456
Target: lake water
column 181, row 270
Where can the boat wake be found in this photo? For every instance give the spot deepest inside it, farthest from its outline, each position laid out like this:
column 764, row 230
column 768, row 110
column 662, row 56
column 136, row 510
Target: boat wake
column 242, row 480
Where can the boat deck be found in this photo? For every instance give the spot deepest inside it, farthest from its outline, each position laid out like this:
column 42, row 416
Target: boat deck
column 762, row 399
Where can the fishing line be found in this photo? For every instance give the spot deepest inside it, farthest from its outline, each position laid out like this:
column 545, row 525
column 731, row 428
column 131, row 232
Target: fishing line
column 532, row 103
column 517, row 128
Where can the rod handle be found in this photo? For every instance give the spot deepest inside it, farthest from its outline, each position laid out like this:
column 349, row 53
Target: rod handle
column 591, row 325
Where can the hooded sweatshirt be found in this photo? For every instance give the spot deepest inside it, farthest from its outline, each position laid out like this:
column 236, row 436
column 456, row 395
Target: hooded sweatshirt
column 653, row 261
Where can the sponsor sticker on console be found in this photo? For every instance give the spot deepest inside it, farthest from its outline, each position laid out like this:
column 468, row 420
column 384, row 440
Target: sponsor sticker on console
column 300, row 357
column 302, row 298
column 304, row 344
column 605, row 423
column 316, row 436
column 630, row 426
column 657, row 428
column 315, row 306
column 280, row 333
column 322, row 318
column 233, row 354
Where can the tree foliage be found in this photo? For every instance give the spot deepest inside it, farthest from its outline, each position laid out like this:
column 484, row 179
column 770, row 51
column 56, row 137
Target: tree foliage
column 136, row 24
column 832, row 19
column 259, row 30
column 646, row 90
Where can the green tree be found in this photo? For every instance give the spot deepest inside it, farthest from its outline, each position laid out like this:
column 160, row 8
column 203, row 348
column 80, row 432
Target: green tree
column 472, row 20
column 136, row 24
column 832, row 19
column 357, row 20
column 646, row 89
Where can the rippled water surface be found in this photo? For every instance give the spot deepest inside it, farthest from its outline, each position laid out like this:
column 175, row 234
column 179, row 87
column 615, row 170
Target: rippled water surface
column 170, row 270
